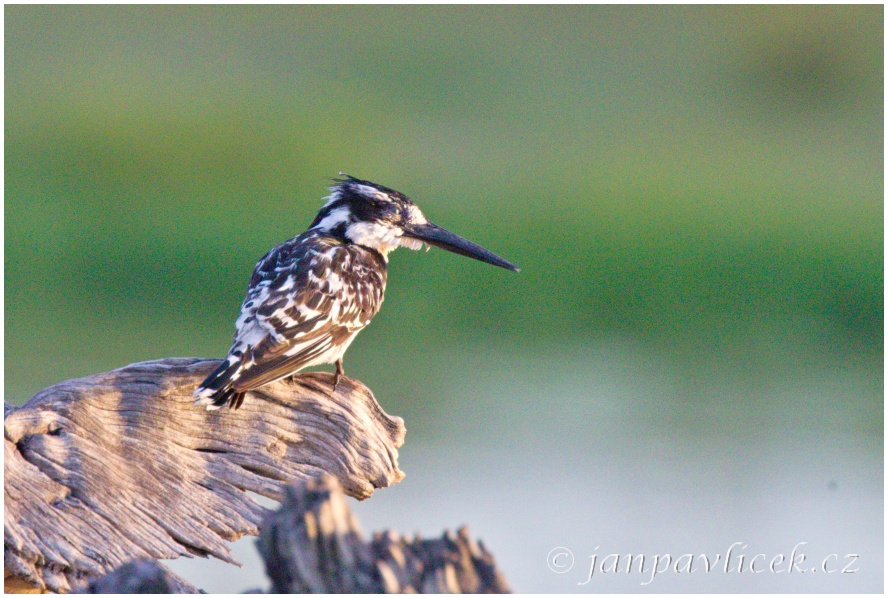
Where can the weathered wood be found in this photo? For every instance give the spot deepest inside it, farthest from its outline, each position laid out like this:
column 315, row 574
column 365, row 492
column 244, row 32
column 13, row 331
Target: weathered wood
column 314, row 544
column 119, row 466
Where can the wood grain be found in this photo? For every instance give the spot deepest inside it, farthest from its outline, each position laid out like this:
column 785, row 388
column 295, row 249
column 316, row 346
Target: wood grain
column 121, row 466
column 314, row 544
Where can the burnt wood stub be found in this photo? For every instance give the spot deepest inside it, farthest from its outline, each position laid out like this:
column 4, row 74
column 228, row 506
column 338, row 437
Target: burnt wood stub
column 140, row 577
column 314, row 544
column 120, row 466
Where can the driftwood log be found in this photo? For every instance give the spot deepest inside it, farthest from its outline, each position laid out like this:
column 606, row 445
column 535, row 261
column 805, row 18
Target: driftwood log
column 121, row 466
column 313, row 544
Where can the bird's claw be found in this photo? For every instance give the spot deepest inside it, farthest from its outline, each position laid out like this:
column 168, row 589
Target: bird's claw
column 339, row 375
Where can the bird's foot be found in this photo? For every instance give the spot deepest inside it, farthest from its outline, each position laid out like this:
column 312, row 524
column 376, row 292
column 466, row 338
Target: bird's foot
column 339, row 375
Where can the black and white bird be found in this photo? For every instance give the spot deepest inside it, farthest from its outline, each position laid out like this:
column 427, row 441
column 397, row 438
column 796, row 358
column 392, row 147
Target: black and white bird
column 310, row 296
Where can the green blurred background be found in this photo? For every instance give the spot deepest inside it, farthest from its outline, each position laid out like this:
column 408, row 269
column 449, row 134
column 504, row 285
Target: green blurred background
column 692, row 353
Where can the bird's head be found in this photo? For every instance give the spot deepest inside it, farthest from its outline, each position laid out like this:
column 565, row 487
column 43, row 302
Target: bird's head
column 383, row 219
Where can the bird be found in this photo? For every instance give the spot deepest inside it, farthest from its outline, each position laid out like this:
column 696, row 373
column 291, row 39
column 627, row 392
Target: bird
column 310, row 296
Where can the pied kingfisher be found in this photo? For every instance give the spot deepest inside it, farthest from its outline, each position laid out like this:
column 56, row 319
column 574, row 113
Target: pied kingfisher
column 310, row 296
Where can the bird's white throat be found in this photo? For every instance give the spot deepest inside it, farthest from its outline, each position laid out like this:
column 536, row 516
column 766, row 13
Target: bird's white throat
column 379, row 237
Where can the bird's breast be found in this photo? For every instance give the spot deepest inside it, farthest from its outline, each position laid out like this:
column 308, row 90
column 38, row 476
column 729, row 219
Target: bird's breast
column 355, row 276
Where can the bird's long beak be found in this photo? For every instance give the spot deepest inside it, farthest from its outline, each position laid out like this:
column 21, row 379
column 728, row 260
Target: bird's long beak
column 439, row 237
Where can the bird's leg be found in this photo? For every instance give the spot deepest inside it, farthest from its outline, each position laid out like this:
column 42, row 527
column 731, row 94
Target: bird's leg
column 339, row 375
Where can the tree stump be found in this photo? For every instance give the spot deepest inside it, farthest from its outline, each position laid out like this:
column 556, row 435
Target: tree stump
column 121, row 466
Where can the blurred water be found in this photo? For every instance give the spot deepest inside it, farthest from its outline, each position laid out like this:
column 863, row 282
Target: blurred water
column 612, row 448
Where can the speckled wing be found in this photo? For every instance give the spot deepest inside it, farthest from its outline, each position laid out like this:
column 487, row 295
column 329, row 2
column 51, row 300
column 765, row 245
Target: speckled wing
column 304, row 308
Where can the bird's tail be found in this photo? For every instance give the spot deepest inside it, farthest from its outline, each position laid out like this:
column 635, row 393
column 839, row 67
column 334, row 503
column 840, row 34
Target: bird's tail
column 218, row 389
